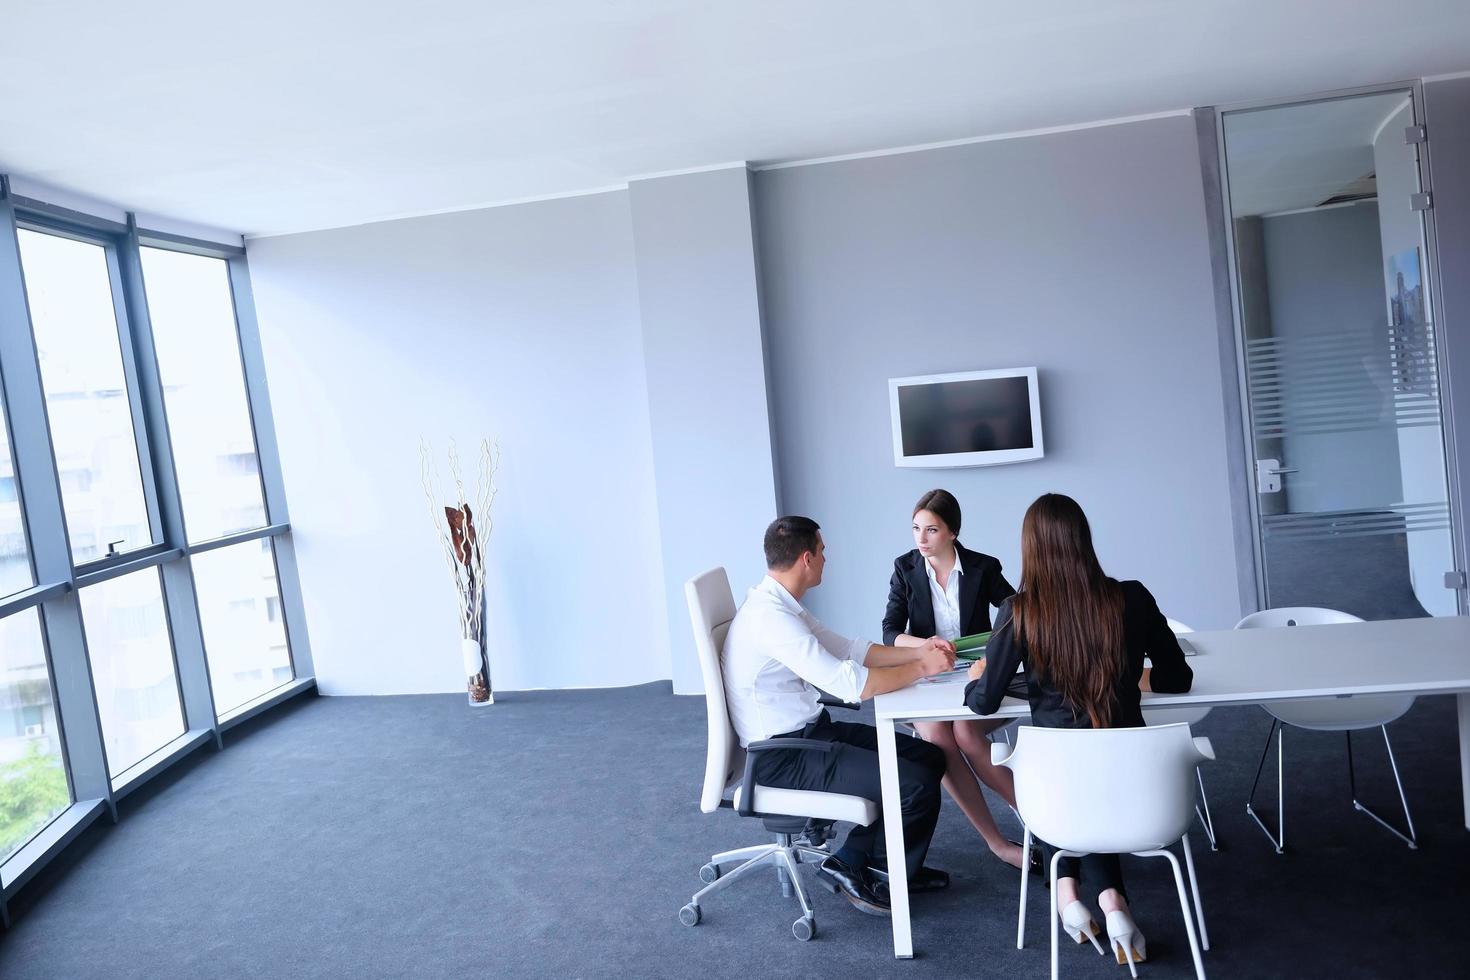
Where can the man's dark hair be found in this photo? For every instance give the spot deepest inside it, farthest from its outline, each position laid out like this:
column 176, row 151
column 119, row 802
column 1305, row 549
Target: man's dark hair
column 941, row 504
column 787, row 539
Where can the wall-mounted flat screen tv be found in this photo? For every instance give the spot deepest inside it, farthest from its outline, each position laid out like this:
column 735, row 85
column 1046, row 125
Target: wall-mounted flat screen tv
column 975, row 418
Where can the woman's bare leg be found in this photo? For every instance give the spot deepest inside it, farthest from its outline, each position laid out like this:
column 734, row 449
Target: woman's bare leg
column 973, row 740
column 963, row 788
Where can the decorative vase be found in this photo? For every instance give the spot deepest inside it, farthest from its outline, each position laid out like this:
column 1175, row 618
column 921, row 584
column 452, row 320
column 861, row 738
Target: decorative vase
column 477, row 669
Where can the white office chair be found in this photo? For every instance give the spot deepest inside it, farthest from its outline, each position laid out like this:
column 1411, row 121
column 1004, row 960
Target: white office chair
column 1187, row 716
column 728, row 769
column 1344, row 715
column 1109, row 791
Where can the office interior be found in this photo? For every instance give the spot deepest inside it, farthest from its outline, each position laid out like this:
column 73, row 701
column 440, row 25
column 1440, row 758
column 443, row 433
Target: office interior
column 280, row 284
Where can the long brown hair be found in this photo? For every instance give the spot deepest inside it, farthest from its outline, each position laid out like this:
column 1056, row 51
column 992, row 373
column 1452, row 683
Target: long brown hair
column 1069, row 614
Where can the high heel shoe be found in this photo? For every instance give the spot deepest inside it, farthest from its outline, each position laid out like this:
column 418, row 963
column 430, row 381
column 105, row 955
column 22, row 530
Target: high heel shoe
column 1078, row 921
column 1126, row 941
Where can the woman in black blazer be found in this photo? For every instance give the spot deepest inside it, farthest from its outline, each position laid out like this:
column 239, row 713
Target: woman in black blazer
column 1081, row 638
column 944, row 589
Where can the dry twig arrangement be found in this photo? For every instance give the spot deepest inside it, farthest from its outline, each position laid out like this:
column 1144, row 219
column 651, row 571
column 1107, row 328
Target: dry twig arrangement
column 464, row 544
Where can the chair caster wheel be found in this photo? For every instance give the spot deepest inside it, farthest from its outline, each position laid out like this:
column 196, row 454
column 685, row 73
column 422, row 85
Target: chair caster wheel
column 689, row 915
column 709, row 874
column 804, row 928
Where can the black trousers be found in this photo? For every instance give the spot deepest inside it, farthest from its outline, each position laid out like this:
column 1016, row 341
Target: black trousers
column 852, row 768
column 1103, row 871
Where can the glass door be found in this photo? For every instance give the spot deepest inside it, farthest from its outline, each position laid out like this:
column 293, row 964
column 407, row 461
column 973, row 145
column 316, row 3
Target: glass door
column 1339, row 356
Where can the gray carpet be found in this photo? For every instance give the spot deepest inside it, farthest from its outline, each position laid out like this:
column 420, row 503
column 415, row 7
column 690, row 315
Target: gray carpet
column 557, row 834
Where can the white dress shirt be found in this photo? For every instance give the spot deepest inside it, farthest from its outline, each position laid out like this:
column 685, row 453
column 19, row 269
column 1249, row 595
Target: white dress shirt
column 776, row 657
column 946, row 601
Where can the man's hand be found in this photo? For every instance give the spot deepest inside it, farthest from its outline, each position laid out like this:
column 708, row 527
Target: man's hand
column 936, row 656
column 946, row 645
column 977, row 668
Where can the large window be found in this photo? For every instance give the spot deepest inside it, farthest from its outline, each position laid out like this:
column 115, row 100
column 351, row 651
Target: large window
column 73, row 315
column 193, row 316
column 240, row 612
column 33, row 786
column 141, row 577
column 15, row 560
column 132, row 667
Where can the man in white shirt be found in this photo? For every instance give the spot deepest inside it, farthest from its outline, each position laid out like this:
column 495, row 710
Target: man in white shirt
column 777, row 659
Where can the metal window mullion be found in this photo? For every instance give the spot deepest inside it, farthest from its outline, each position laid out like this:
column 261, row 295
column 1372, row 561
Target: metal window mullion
column 252, row 365
column 238, row 537
column 267, row 452
column 89, row 575
column 293, row 608
column 184, row 243
column 146, row 440
column 39, row 487
column 191, row 666
column 191, row 662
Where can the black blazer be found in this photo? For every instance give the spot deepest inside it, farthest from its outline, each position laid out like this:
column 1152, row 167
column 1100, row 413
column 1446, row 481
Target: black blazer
column 911, row 603
column 1145, row 632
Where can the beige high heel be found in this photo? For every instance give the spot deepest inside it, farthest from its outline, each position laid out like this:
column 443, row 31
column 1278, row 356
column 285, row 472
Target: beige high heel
column 1126, row 940
column 1077, row 920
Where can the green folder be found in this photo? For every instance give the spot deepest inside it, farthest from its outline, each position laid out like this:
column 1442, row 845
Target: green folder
column 971, row 647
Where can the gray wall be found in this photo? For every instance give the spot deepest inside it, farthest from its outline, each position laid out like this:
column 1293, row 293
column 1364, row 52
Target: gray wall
column 1085, row 254
column 518, row 323
column 1324, row 276
column 706, row 387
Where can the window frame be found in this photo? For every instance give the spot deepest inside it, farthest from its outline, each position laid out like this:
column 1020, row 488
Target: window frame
column 111, row 244
column 57, row 579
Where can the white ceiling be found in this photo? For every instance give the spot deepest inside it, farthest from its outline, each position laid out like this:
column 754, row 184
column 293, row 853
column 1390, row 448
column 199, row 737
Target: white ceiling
column 274, row 116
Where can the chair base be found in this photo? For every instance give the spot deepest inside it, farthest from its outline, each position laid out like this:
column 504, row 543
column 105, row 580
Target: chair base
column 1206, row 821
column 1278, row 839
column 786, row 854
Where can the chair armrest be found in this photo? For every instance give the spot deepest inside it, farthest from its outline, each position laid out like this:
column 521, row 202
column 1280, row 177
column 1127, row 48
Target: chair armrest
column 1000, row 752
column 1203, row 747
column 747, row 781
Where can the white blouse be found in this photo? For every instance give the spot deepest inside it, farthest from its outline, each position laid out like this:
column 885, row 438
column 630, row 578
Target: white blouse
column 946, row 601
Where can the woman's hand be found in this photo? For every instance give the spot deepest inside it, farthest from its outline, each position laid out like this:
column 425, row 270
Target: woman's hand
column 1143, row 681
column 977, row 668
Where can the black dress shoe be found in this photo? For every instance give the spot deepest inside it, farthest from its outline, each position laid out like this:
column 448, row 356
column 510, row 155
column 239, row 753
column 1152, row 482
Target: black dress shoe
column 927, row 880
column 1035, row 865
column 853, row 884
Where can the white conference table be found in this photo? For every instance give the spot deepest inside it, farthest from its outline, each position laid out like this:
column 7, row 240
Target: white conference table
column 1231, row 667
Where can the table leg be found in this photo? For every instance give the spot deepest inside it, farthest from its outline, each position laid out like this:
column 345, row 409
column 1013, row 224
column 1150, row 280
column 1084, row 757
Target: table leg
column 898, row 874
column 1463, row 701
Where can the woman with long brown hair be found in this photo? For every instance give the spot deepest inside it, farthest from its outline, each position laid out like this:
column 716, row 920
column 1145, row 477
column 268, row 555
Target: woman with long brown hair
column 1081, row 638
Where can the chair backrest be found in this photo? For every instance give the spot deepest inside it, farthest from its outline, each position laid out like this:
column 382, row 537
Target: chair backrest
column 1169, row 716
column 1336, row 714
column 1295, row 616
column 711, row 608
column 1107, row 790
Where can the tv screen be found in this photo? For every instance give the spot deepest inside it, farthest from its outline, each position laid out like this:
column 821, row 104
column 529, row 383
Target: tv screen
column 970, row 419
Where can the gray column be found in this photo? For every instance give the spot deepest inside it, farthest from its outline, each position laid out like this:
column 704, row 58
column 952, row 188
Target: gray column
column 707, row 404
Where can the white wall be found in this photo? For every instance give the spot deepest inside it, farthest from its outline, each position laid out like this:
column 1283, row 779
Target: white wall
column 706, row 387
column 519, row 323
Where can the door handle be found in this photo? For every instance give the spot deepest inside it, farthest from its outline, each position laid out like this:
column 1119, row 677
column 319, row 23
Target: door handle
column 1268, row 475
